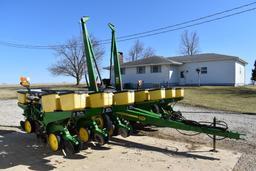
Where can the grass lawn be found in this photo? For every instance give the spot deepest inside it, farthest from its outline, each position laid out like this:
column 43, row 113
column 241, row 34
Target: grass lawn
column 237, row 99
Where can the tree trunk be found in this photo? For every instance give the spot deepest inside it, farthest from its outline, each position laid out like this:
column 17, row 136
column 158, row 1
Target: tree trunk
column 77, row 81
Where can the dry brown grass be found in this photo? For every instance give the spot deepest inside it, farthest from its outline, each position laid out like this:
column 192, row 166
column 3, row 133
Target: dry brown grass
column 237, row 99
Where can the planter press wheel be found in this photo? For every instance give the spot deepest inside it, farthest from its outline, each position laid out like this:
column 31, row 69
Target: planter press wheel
column 124, row 132
column 155, row 108
column 108, row 124
column 136, row 127
column 22, row 125
column 69, row 149
column 100, row 139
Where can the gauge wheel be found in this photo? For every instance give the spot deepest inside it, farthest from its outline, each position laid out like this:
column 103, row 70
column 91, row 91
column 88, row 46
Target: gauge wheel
column 84, row 134
column 99, row 121
column 28, row 126
column 54, row 142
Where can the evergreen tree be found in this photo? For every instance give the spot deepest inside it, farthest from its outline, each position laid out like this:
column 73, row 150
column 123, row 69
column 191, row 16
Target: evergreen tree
column 253, row 78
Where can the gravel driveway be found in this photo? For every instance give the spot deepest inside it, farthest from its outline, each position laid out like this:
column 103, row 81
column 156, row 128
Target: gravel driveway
column 241, row 123
column 10, row 113
column 238, row 122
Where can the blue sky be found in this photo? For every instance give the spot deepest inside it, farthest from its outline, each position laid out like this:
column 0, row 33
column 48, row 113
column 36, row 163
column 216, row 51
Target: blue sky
column 45, row 22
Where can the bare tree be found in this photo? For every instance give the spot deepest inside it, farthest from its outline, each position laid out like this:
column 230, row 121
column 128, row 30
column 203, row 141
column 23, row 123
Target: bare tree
column 138, row 51
column 148, row 52
column 72, row 60
column 189, row 43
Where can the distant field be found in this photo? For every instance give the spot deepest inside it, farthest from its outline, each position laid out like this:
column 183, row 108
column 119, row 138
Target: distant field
column 237, row 99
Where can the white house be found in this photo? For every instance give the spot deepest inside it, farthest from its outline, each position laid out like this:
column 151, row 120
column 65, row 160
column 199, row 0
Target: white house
column 203, row 69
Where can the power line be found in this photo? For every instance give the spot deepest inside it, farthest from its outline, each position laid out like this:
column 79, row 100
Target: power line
column 15, row 45
column 185, row 22
column 191, row 25
column 147, row 33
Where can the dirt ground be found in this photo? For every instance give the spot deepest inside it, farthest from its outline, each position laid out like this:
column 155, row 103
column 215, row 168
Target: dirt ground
column 165, row 149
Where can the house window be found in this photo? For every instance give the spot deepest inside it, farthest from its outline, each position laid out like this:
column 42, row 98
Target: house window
column 122, row 71
column 155, row 68
column 182, row 74
column 203, row 70
column 141, row 70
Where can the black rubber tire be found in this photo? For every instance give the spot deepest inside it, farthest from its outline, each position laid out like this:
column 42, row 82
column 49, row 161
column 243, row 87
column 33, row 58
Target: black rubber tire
column 22, row 125
column 78, row 148
column 108, row 124
column 68, row 149
column 99, row 139
column 124, row 132
column 38, row 129
column 137, row 126
column 155, row 108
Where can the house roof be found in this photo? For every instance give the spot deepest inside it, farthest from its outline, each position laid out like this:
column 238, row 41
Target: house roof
column 178, row 60
column 154, row 60
column 205, row 57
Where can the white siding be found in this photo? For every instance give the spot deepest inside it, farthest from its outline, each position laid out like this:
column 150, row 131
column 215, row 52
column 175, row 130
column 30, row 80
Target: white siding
column 131, row 75
column 240, row 74
column 226, row 72
column 218, row 73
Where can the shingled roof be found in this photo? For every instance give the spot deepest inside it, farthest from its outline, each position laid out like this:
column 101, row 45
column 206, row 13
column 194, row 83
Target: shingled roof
column 178, row 60
column 205, row 57
column 154, row 60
